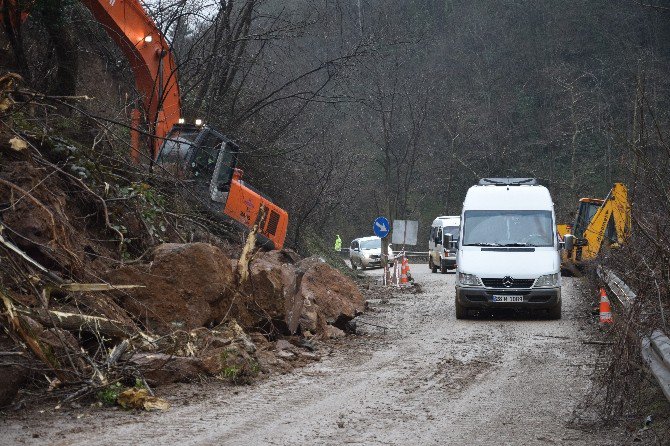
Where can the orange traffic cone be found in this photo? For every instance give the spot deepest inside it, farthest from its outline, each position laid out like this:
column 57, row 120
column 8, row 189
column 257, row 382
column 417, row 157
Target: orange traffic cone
column 605, row 308
column 403, row 271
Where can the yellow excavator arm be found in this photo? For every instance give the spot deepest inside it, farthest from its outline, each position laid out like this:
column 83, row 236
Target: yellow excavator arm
column 615, row 211
column 609, row 224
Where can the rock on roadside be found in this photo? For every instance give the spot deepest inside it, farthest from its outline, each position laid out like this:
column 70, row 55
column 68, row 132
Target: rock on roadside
column 194, row 285
column 186, row 286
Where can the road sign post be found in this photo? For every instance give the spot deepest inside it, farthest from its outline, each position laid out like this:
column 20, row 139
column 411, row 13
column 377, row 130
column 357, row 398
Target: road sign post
column 405, row 232
column 382, row 228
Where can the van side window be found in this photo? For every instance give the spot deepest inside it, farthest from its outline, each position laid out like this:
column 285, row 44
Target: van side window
column 354, row 245
column 439, row 234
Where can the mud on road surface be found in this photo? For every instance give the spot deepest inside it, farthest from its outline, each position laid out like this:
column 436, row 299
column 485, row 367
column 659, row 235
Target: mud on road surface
column 427, row 379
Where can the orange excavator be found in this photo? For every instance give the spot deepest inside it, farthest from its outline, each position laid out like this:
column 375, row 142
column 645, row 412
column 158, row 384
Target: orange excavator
column 204, row 156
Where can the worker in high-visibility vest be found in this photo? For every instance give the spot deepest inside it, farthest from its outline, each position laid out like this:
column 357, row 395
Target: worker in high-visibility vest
column 338, row 243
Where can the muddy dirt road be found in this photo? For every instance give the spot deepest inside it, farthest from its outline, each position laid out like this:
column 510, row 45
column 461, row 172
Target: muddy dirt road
column 430, row 379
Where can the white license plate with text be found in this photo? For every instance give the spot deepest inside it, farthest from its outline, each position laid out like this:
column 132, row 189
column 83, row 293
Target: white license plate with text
column 507, row 298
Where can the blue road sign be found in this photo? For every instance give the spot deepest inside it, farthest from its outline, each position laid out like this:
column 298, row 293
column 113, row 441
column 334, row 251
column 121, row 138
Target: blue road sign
column 381, row 226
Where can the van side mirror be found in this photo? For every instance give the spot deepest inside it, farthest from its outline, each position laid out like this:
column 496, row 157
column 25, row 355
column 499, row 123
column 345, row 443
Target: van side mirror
column 569, row 242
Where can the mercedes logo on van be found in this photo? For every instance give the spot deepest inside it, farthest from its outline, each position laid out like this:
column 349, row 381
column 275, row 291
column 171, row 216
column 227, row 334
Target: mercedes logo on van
column 507, row 281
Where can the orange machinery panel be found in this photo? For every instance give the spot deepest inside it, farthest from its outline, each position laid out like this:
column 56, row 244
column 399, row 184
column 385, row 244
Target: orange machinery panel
column 243, row 205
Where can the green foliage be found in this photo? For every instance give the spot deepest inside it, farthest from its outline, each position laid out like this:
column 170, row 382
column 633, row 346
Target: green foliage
column 151, row 205
column 231, row 373
column 109, row 394
column 238, row 367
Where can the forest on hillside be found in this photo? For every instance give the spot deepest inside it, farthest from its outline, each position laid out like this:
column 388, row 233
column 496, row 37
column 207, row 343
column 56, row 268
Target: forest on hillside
column 351, row 109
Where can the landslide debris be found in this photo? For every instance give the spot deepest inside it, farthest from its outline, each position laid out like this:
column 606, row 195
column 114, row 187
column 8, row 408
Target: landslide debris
column 186, row 286
column 100, row 291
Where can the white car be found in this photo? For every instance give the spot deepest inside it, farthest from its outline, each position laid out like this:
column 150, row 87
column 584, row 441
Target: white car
column 366, row 252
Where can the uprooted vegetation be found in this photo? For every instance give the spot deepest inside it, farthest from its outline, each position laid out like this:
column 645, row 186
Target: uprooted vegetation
column 114, row 279
column 631, row 392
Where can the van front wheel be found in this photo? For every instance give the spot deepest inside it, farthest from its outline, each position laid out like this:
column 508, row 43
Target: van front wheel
column 443, row 267
column 431, row 265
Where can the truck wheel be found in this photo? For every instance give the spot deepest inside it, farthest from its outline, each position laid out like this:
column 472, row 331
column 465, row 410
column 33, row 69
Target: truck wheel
column 443, row 267
column 555, row 312
column 461, row 311
column 432, row 267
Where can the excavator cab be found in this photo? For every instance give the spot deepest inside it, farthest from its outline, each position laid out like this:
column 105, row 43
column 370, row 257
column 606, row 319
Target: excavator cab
column 193, row 154
column 587, row 209
column 207, row 160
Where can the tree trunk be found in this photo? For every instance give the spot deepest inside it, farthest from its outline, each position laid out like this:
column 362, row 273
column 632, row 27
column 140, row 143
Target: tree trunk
column 66, row 55
column 12, row 26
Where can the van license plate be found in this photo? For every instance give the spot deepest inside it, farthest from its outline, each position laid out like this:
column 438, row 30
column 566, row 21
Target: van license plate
column 507, row 298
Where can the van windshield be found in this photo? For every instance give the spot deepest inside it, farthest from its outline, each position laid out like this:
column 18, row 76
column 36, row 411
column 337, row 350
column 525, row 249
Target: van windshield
column 508, row 228
column 454, row 231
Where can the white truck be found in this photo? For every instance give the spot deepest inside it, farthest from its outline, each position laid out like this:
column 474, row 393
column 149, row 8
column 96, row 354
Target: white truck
column 508, row 254
column 440, row 254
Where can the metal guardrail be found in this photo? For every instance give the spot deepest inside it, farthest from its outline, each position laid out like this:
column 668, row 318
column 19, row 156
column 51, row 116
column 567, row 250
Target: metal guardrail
column 621, row 291
column 656, row 353
column 411, row 255
column 655, row 348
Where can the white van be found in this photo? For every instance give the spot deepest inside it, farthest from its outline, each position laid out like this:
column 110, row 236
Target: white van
column 508, row 255
column 440, row 254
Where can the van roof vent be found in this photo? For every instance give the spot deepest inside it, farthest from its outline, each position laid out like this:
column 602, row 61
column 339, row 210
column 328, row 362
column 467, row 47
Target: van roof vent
column 508, row 182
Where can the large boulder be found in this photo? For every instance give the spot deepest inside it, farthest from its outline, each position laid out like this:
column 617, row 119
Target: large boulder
column 290, row 295
column 326, row 297
column 194, row 285
column 185, row 286
column 270, row 285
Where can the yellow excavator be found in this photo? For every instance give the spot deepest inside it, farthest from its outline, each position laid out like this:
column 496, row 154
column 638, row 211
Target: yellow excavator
column 598, row 223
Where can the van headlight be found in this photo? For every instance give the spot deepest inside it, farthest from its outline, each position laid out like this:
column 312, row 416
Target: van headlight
column 547, row 281
column 469, row 280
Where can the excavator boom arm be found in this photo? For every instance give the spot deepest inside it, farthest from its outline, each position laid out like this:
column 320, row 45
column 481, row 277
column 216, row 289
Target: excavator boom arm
column 151, row 60
column 616, row 207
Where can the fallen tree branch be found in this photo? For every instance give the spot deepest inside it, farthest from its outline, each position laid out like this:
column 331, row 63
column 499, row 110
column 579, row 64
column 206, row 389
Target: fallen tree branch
column 78, row 322
column 32, row 343
column 87, row 287
column 12, row 247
